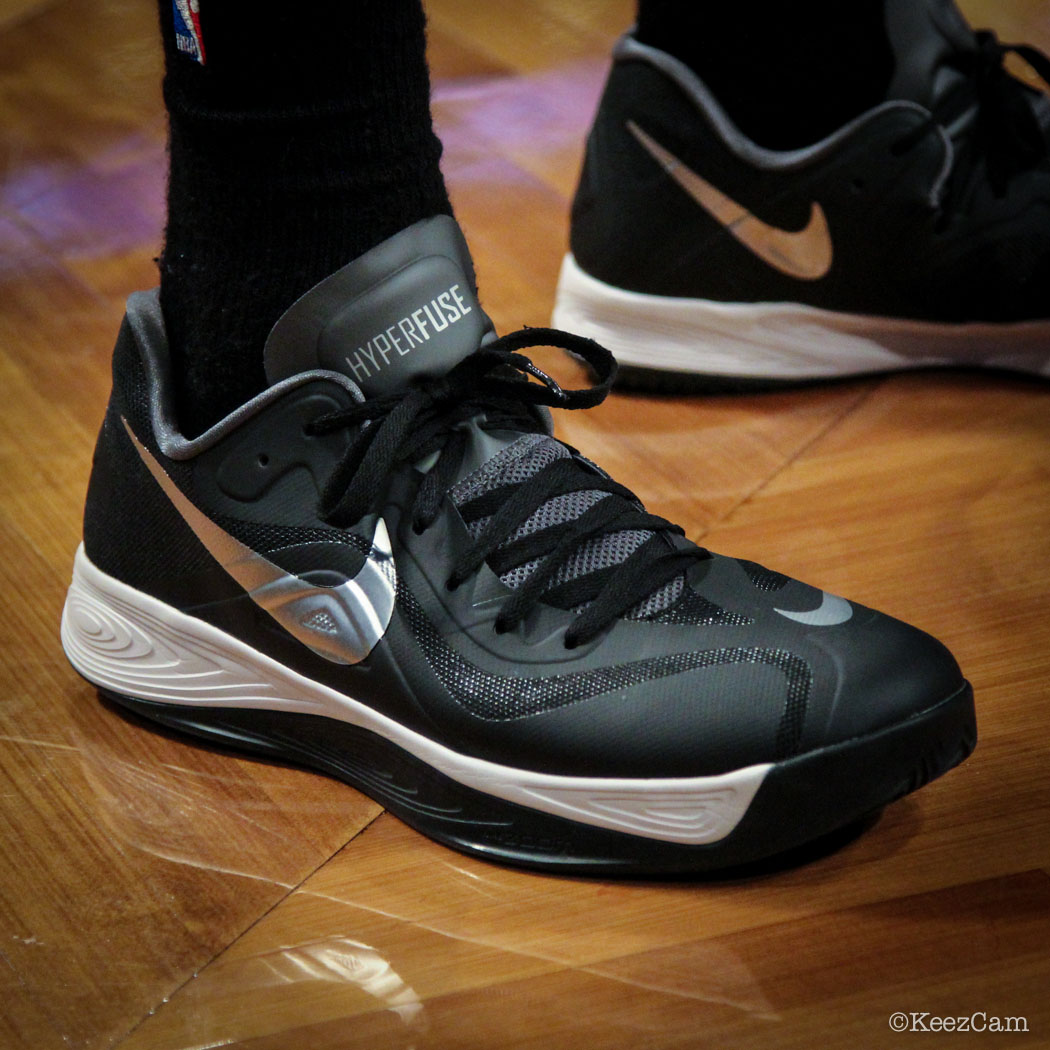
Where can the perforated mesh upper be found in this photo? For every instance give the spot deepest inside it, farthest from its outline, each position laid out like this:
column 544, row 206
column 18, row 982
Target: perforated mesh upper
column 500, row 697
column 523, row 459
column 559, row 510
column 517, row 462
column 764, row 579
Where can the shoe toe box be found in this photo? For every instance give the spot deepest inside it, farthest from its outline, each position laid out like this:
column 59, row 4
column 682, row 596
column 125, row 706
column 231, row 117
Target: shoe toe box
column 766, row 692
column 876, row 671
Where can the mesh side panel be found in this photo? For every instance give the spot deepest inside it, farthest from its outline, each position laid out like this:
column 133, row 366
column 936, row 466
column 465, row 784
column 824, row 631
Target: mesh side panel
column 789, row 731
column 559, row 510
column 519, row 574
column 764, row 579
column 537, row 455
column 600, row 553
column 518, row 461
column 477, row 526
column 659, row 602
column 502, row 698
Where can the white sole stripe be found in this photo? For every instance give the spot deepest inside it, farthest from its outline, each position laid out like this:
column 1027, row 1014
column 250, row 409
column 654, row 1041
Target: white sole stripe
column 789, row 341
column 125, row 640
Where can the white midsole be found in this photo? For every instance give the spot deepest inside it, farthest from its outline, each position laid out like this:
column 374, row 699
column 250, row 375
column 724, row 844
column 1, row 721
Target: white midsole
column 781, row 340
column 122, row 639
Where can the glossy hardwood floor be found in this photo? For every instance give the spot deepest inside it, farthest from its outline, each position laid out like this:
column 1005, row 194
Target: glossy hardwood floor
column 160, row 895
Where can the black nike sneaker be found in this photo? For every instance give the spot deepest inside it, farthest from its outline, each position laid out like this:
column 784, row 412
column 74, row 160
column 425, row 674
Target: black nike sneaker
column 916, row 235
column 386, row 568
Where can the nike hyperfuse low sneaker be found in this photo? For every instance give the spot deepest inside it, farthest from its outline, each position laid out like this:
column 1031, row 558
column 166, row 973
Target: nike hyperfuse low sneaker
column 386, row 568
column 916, row 235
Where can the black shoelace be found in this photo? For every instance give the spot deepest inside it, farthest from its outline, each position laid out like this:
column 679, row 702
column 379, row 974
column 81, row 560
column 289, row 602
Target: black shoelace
column 495, row 386
column 1002, row 135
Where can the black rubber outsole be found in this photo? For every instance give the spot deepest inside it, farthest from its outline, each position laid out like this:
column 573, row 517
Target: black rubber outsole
column 801, row 800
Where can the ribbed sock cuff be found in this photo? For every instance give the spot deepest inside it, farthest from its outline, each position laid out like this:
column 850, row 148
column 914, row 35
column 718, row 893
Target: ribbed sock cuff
column 301, row 142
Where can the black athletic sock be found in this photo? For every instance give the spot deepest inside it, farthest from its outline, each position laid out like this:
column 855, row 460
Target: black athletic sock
column 301, row 141
column 787, row 74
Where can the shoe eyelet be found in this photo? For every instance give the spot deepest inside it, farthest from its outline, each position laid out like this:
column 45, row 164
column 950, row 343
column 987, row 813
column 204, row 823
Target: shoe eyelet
column 263, row 459
column 857, row 186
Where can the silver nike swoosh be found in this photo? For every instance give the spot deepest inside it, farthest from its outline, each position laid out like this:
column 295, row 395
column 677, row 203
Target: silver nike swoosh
column 831, row 611
column 805, row 254
column 342, row 624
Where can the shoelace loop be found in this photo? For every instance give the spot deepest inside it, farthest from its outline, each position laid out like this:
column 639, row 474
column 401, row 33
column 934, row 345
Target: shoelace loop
column 500, row 387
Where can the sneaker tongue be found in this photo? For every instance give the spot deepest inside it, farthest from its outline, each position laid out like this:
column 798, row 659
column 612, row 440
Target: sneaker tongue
column 407, row 308
column 924, row 36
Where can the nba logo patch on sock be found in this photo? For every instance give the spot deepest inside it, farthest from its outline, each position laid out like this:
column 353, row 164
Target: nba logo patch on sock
column 188, row 28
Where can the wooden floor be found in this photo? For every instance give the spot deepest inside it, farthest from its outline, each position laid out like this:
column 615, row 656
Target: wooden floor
column 159, row 895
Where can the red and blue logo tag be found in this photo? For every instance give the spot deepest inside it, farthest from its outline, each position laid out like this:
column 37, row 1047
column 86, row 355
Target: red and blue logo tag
column 188, row 28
